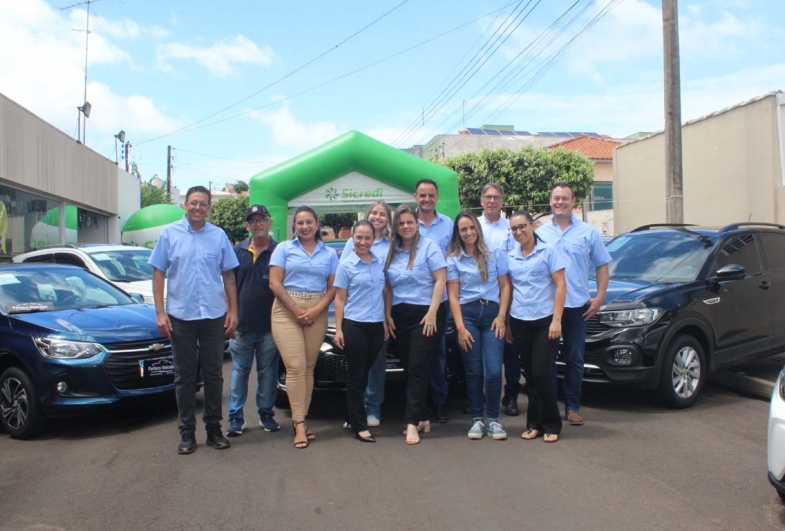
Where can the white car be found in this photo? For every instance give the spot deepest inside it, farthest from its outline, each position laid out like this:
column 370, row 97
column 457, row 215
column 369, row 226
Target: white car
column 776, row 446
column 125, row 266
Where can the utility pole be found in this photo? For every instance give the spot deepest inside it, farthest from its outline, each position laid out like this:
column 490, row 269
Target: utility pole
column 169, row 170
column 674, row 194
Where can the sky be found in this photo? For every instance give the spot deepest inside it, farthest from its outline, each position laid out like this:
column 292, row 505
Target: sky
column 237, row 87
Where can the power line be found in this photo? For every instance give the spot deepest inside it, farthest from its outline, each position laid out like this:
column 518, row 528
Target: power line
column 270, row 85
column 227, row 158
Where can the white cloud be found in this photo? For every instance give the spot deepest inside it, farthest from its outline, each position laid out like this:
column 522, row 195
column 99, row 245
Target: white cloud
column 221, row 58
column 42, row 68
column 287, row 131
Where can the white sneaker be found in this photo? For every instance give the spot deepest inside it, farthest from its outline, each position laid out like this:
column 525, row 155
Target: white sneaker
column 372, row 421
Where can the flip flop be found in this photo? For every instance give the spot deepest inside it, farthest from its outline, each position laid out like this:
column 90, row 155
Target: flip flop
column 530, row 434
column 550, row 438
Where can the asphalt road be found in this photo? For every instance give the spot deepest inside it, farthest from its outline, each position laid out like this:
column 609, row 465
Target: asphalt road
column 633, row 466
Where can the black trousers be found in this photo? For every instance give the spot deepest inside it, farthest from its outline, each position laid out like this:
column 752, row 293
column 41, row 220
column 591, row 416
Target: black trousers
column 362, row 343
column 538, row 355
column 416, row 352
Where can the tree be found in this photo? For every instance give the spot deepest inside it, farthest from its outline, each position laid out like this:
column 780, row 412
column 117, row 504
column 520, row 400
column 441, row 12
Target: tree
column 229, row 214
column 526, row 175
column 336, row 221
column 240, row 187
column 149, row 194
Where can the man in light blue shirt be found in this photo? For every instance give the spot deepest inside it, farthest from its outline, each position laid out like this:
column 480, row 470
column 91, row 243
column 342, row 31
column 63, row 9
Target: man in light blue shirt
column 437, row 227
column 583, row 247
column 194, row 260
column 496, row 231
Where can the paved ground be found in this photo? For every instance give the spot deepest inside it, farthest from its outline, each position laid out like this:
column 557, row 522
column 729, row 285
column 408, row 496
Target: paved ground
column 633, row 466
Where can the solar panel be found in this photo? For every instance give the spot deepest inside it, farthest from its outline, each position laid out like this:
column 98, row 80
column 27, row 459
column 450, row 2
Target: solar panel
column 506, row 133
column 475, row 131
column 577, row 134
column 522, row 133
column 492, row 132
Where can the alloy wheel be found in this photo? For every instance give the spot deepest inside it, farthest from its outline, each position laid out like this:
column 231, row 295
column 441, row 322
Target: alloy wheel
column 686, row 372
column 14, row 403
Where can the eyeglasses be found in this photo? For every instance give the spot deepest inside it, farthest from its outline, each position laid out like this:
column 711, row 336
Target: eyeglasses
column 519, row 228
column 257, row 221
column 494, row 197
column 194, row 204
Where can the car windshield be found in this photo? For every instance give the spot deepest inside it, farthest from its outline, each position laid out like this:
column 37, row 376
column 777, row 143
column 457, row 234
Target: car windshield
column 38, row 289
column 659, row 256
column 124, row 265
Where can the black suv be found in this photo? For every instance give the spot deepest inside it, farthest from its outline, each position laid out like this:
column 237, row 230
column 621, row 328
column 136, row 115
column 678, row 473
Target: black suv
column 683, row 302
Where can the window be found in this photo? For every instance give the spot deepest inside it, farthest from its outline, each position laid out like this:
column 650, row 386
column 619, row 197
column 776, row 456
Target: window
column 741, row 250
column 773, row 250
column 602, row 196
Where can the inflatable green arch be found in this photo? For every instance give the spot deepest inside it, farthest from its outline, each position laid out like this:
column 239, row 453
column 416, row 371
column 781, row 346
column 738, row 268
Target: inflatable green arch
column 347, row 174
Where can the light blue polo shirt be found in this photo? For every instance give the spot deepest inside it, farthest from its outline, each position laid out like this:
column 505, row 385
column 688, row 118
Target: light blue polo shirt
column 582, row 246
column 379, row 248
column 301, row 271
column 440, row 231
column 497, row 235
column 415, row 285
column 464, row 269
column 533, row 290
column 193, row 263
column 364, row 285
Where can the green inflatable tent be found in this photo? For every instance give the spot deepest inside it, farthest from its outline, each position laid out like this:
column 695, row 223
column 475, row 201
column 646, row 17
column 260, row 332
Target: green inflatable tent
column 347, row 174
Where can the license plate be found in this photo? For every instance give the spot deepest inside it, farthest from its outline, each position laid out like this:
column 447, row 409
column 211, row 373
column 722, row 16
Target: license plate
column 156, row 367
column 392, row 363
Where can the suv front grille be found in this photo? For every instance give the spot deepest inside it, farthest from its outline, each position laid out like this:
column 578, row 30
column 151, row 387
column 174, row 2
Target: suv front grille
column 122, row 365
column 594, row 327
column 331, row 368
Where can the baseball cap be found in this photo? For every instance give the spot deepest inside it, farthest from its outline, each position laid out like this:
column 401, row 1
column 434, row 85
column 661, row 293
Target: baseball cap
column 257, row 209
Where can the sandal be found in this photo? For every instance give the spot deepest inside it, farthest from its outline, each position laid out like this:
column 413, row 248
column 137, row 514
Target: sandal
column 424, row 426
column 550, row 437
column 299, row 444
column 530, row 434
column 412, row 441
column 309, row 434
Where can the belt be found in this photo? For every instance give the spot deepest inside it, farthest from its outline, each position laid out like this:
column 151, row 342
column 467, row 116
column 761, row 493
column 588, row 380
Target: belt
column 306, row 294
column 485, row 302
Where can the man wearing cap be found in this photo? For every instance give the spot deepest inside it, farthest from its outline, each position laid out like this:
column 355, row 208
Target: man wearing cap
column 254, row 338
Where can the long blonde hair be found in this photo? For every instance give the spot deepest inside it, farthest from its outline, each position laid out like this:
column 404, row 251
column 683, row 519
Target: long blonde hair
column 396, row 239
column 387, row 235
column 481, row 252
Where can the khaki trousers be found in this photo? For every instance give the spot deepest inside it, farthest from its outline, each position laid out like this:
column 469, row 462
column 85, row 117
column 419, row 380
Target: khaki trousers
column 299, row 348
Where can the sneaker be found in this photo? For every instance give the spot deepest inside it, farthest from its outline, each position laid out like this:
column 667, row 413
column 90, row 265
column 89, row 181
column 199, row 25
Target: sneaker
column 495, row 431
column 477, row 430
column 187, row 444
column 216, row 439
column 269, row 424
column 510, row 407
column 236, row 427
column 373, row 421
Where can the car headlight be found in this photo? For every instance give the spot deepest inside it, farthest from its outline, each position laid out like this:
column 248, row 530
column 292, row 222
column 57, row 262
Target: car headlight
column 64, row 349
column 624, row 318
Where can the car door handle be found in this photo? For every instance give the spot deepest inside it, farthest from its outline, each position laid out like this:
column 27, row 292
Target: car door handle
column 764, row 285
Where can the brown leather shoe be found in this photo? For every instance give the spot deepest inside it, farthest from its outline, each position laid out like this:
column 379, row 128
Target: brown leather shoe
column 574, row 418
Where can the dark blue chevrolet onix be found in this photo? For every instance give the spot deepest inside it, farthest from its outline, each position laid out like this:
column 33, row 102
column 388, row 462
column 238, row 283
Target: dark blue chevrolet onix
column 70, row 342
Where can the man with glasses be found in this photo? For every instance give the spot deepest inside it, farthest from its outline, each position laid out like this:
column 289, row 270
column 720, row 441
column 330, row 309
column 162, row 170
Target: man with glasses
column 193, row 260
column 254, row 338
column 582, row 245
column 496, row 231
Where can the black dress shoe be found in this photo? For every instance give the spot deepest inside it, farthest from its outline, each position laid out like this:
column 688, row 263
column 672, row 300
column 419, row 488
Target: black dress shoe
column 510, row 407
column 187, row 444
column 370, row 438
column 216, row 439
column 439, row 414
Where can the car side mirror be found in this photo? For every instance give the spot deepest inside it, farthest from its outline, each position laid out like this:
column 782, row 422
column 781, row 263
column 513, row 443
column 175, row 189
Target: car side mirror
column 138, row 297
column 729, row 272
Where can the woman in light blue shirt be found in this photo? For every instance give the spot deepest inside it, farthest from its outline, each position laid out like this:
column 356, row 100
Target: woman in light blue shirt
column 479, row 291
column 360, row 329
column 539, row 291
column 380, row 216
column 416, row 276
column 302, row 271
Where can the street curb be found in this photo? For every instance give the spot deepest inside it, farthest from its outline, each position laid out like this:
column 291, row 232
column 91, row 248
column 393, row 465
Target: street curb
column 742, row 383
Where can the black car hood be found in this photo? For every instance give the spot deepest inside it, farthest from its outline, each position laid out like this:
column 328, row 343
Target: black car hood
column 628, row 292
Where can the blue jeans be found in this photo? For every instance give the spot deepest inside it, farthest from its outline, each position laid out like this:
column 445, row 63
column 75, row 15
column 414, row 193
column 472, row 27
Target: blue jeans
column 437, row 376
column 483, row 363
column 573, row 327
column 244, row 348
column 374, row 393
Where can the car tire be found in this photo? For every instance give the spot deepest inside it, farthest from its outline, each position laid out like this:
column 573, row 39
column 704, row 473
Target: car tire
column 782, row 495
column 20, row 413
column 683, row 372
column 282, row 400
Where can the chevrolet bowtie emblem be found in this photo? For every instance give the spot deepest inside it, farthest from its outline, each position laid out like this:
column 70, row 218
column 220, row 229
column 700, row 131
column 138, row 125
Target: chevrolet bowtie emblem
column 156, row 347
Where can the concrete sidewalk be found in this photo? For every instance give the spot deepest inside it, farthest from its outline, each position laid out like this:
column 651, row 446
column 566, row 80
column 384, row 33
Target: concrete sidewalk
column 755, row 378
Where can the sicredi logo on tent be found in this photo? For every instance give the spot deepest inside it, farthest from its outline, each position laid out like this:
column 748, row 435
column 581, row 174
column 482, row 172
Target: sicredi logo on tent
column 334, row 194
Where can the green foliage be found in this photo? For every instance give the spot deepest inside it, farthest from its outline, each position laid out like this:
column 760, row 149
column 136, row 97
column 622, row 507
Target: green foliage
column 229, row 214
column 526, row 175
column 336, row 221
column 240, row 187
column 149, row 194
